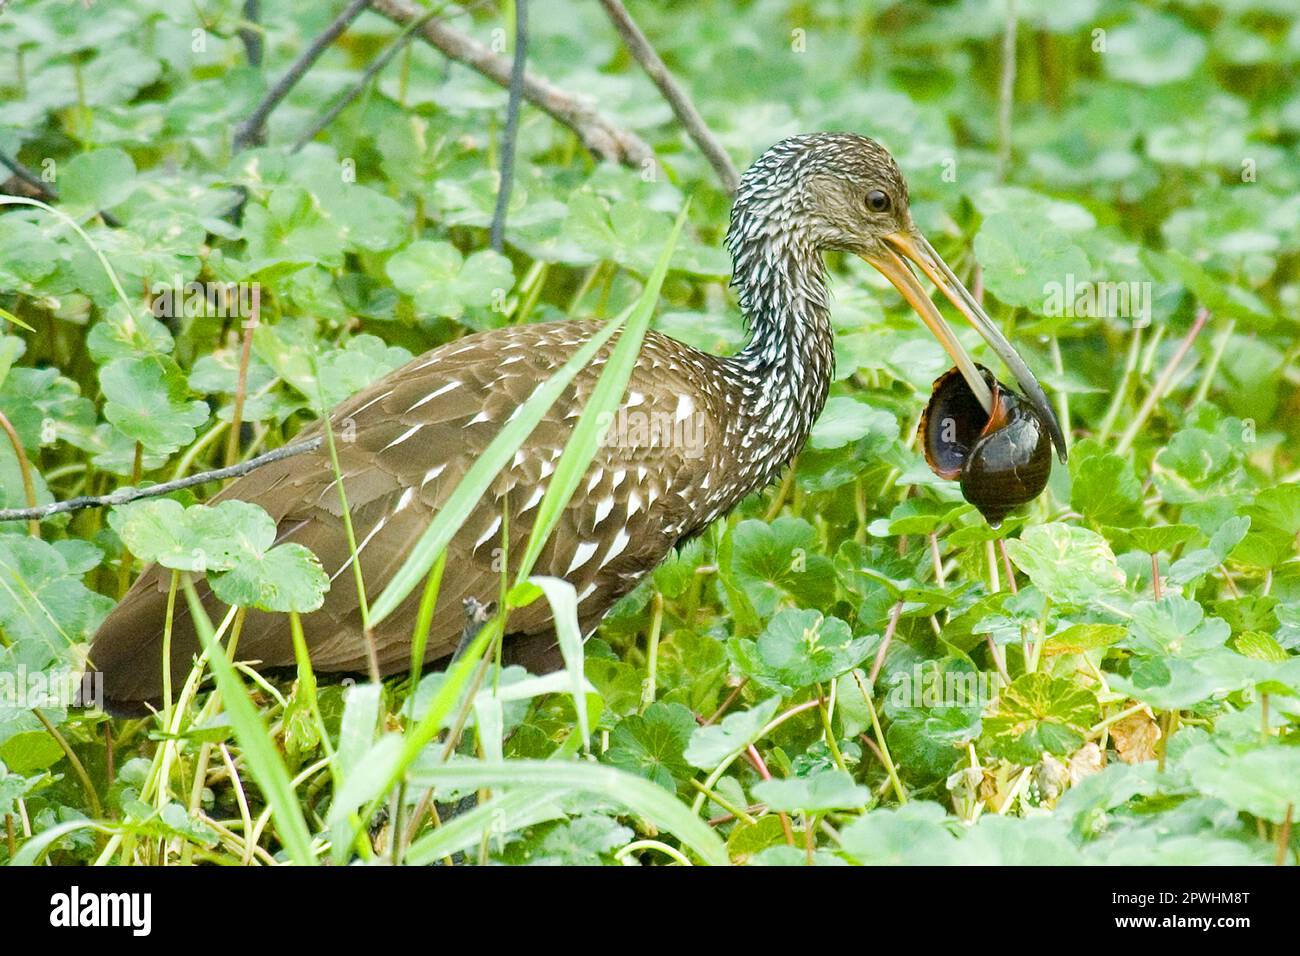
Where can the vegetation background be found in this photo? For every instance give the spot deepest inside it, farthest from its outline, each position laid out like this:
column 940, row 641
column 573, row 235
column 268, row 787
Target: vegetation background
column 1139, row 638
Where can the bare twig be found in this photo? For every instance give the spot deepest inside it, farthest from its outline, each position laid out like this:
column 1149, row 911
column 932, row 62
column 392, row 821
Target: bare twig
column 373, row 70
column 509, row 137
column 125, row 495
column 46, row 190
column 598, row 134
column 251, row 35
column 250, row 130
column 677, row 97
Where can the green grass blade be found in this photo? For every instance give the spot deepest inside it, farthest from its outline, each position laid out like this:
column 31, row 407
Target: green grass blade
column 10, row 317
column 573, row 462
column 34, row 850
column 481, row 475
column 263, row 759
column 605, row 399
column 69, row 221
column 520, row 808
column 424, row 618
column 577, row 457
column 564, row 612
column 417, row 738
column 489, row 723
column 642, row 797
column 362, row 709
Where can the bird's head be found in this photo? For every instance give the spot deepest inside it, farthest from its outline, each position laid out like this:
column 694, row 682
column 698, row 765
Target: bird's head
column 842, row 191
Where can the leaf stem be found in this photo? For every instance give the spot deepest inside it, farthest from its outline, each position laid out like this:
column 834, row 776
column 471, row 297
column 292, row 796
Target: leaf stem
column 25, row 470
column 885, row 756
column 78, row 768
column 1162, row 383
column 1122, row 389
column 723, row 802
column 241, row 387
column 1216, row 356
column 649, row 687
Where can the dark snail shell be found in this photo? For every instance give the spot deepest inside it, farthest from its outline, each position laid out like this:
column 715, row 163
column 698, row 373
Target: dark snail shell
column 1003, row 460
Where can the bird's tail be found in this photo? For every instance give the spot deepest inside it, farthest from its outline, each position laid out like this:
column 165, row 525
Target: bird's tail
column 127, row 648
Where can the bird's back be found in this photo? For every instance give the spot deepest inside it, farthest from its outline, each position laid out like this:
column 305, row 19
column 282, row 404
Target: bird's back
column 403, row 445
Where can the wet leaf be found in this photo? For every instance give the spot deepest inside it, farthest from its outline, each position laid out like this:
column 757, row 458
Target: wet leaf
column 710, row 745
column 442, row 282
column 1038, row 714
column 798, row 649
column 652, row 744
column 829, row 790
column 1070, row 564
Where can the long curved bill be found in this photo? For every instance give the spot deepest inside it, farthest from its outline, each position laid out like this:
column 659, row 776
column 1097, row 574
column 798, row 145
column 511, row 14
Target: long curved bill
column 903, row 246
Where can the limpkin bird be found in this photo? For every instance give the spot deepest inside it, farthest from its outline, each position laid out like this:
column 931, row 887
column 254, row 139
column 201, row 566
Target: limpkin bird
column 416, row 432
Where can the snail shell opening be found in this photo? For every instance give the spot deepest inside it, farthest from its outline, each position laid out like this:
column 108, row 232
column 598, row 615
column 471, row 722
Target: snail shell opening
column 1002, row 459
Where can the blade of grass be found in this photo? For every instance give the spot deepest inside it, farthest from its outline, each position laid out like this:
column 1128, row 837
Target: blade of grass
column 68, row 220
column 573, row 462
column 489, row 723
column 424, row 620
column 34, row 849
column 481, row 475
column 10, row 317
column 362, row 710
column 354, row 558
column 576, row 458
column 522, row 807
column 417, row 738
column 646, row 799
column 577, row 454
column 259, row 750
column 605, row 399
column 564, row 612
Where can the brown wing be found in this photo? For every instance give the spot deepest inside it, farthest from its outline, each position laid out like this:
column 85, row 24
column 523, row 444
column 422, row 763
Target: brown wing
column 404, row 444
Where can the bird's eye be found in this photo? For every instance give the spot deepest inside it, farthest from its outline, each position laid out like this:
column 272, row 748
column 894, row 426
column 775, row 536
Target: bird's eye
column 877, row 200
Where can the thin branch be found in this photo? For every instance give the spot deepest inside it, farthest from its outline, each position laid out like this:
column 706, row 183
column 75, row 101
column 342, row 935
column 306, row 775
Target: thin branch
column 879, row 662
column 30, row 178
column 125, row 495
column 371, row 72
column 250, row 131
column 600, row 135
column 511, row 134
column 251, row 35
column 677, row 97
column 47, row 190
